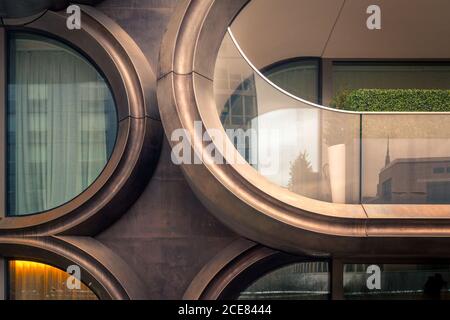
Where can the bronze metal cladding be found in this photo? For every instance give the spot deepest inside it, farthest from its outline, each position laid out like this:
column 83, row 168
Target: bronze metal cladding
column 245, row 201
column 139, row 130
column 236, row 267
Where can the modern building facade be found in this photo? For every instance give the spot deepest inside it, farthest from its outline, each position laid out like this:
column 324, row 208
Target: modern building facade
column 187, row 149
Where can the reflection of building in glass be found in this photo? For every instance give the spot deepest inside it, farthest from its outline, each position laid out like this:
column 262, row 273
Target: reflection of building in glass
column 414, row 180
column 235, row 89
column 236, row 95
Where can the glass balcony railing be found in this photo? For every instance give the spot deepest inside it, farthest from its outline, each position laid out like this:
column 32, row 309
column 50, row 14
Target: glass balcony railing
column 327, row 154
column 405, row 158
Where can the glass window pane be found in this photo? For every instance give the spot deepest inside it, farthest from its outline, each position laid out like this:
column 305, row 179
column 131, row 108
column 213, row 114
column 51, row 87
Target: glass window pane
column 298, row 281
column 396, row 281
column 62, row 124
column 308, row 150
column 299, row 77
column 37, row 281
column 404, row 159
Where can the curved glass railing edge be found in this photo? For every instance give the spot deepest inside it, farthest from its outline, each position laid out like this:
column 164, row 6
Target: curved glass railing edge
column 256, row 70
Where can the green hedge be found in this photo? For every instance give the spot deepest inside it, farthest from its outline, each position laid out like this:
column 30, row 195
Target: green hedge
column 393, row 100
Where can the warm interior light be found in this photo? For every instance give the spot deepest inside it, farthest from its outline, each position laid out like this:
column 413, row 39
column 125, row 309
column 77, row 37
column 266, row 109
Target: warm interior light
column 30, row 280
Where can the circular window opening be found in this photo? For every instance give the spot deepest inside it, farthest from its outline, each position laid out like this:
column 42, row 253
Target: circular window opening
column 61, row 124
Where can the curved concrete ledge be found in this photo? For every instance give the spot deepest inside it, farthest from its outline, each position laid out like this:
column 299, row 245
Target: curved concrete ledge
column 137, row 148
column 102, row 270
column 245, row 201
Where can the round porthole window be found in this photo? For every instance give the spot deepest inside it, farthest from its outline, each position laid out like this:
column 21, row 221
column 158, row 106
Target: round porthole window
column 81, row 133
column 61, row 124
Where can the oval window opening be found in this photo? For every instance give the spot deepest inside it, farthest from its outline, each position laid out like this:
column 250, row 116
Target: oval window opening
column 61, row 124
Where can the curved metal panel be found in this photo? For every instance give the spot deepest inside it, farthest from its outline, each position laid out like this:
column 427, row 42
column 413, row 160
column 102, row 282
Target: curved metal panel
column 139, row 131
column 235, row 268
